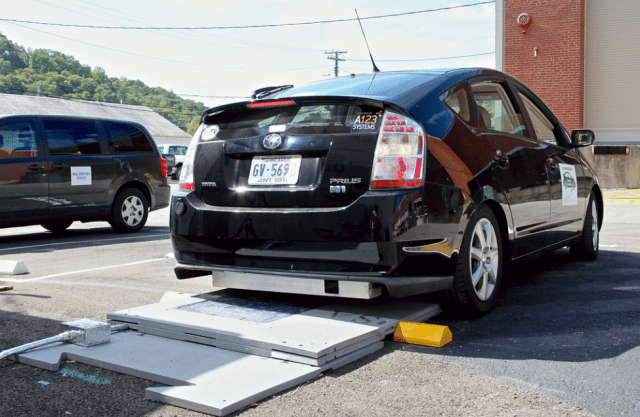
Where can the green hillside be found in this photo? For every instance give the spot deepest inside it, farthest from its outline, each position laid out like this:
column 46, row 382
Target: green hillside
column 54, row 74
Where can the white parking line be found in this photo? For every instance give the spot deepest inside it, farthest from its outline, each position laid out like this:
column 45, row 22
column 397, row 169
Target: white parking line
column 80, row 272
column 84, row 241
column 107, row 285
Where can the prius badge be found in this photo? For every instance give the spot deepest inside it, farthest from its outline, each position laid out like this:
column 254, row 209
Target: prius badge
column 272, row 141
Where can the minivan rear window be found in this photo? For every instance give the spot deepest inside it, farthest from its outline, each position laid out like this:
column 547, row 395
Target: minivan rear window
column 308, row 119
column 125, row 138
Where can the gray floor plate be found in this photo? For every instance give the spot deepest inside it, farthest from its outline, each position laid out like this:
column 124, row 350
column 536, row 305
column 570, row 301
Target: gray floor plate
column 202, row 378
column 267, row 353
column 222, row 351
column 244, row 321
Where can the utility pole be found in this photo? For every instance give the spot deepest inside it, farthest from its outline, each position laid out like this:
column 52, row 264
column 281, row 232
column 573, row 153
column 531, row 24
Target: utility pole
column 336, row 58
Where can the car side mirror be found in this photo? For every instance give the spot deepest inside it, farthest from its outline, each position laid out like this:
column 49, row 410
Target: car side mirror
column 582, row 137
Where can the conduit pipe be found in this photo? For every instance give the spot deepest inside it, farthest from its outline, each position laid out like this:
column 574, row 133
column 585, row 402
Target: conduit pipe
column 81, row 337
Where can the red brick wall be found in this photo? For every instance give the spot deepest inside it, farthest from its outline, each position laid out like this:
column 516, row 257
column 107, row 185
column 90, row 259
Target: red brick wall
column 556, row 74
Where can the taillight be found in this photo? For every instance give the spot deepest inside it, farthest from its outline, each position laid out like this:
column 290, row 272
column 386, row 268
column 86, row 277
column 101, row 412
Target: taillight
column 163, row 167
column 187, row 182
column 398, row 160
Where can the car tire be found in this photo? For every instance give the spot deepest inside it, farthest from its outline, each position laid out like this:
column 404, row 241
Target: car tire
column 130, row 211
column 57, row 226
column 178, row 173
column 478, row 269
column 588, row 247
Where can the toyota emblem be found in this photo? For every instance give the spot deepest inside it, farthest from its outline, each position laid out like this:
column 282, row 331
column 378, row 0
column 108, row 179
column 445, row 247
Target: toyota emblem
column 272, row 141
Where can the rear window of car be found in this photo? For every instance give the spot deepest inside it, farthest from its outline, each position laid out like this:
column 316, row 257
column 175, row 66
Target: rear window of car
column 126, row 138
column 178, row 150
column 307, row 119
column 71, row 137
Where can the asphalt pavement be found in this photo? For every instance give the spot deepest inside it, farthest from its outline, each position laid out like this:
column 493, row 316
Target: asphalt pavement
column 563, row 340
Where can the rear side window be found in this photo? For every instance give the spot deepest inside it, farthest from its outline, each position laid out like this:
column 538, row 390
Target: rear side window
column 71, row 137
column 17, row 140
column 458, row 102
column 541, row 124
column 125, row 138
column 496, row 111
column 313, row 119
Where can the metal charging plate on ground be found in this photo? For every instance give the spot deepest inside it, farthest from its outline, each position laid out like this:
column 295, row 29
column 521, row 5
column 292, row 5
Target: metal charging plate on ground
column 248, row 347
column 275, row 322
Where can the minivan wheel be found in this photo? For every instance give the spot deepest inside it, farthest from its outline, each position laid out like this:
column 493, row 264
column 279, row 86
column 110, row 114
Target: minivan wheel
column 478, row 272
column 130, row 211
column 588, row 247
column 58, row 226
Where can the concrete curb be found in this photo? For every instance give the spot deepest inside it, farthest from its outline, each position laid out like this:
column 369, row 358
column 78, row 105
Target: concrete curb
column 13, row 268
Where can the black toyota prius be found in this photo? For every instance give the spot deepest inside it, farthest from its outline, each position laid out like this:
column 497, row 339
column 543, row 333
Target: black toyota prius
column 384, row 184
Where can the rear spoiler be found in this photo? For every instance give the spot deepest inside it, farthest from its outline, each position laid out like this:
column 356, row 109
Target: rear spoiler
column 300, row 100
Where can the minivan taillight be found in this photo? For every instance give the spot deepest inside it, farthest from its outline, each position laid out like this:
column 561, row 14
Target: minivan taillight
column 398, row 160
column 163, row 167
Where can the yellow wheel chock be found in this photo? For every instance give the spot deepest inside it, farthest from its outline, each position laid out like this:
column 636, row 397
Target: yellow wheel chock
column 422, row 334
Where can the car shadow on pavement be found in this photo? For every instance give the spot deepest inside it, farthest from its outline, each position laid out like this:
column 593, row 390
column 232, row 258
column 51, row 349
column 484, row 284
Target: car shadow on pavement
column 557, row 309
column 76, row 238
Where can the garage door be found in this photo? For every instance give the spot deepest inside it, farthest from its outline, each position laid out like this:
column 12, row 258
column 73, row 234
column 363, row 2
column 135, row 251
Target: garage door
column 612, row 63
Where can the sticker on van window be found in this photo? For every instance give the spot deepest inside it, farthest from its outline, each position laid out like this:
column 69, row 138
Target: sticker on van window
column 569, row 182
column 80, row 175
column 366, row 121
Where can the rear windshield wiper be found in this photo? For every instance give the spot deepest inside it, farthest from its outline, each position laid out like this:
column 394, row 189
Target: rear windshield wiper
column 267, row 91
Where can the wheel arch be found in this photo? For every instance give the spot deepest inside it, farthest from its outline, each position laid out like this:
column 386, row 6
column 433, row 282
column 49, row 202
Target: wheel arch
column 503, row 224
column 487, row 196
column 597, row 192
column 132, row 184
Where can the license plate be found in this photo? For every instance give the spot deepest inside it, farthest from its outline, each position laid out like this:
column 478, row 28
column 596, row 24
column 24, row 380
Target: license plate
column 275, row 170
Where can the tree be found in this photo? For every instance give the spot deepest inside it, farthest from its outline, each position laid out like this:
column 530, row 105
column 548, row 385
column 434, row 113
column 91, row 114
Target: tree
column 55, row 74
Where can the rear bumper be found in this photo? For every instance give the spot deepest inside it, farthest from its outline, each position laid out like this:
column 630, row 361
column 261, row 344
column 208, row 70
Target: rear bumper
column 385, row 239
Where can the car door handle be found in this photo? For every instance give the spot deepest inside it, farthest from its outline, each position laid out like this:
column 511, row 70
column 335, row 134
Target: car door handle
column 501, row 159
column 553, row 165
column 60, row 166
column 36, row 167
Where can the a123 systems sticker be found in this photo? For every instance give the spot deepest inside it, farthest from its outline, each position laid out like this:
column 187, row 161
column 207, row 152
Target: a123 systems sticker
column 366, row 121
column 569, row 181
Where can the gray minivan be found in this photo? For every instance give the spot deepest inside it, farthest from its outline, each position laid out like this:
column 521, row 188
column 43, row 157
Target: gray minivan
column 55, row 170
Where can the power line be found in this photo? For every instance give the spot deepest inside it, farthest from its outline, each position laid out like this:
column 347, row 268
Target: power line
column 104, row 47
column 246, row 26
column 425, row 59
column 242, row 43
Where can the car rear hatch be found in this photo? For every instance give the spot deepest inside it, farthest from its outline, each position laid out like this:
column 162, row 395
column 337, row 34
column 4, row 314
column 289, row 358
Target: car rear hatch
column 294, row 153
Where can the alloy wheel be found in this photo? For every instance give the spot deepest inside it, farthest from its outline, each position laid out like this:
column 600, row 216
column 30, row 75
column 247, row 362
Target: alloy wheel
column 132, row 210
column 484, row 259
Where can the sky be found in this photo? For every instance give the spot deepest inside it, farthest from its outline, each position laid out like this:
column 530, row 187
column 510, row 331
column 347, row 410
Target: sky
column 217, row 66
